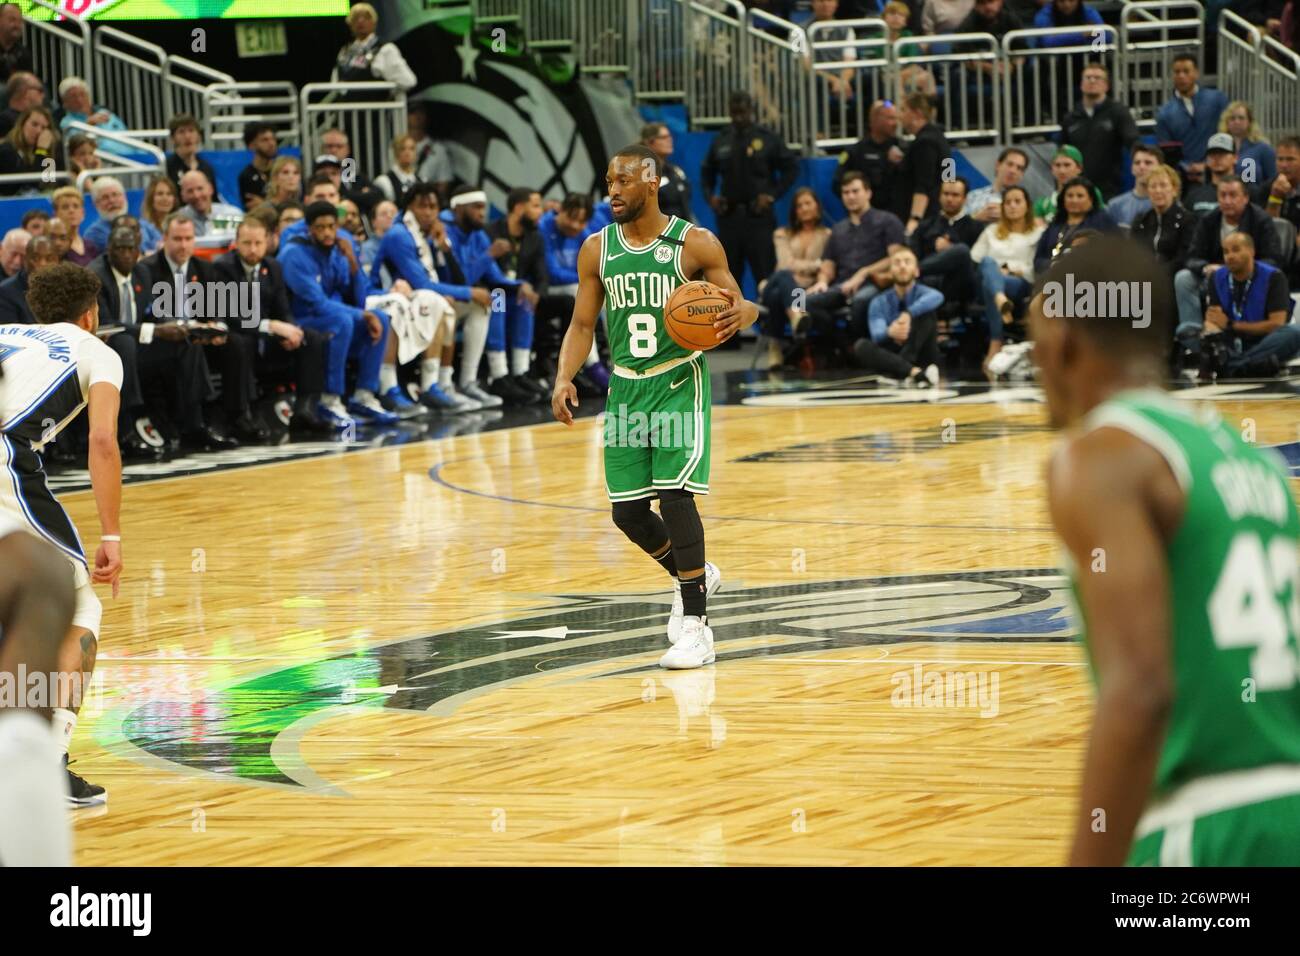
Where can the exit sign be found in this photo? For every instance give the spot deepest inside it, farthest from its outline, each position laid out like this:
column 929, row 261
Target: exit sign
column 265, row 38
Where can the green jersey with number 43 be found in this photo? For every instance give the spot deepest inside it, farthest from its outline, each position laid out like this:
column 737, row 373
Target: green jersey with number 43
column 638, row 281
column 1234, row 592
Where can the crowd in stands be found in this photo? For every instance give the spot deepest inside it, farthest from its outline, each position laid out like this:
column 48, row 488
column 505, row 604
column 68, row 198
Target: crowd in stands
column 375, row 290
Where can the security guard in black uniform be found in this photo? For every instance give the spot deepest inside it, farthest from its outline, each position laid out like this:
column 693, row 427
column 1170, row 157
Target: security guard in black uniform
column 674, row 187
column 756, row 168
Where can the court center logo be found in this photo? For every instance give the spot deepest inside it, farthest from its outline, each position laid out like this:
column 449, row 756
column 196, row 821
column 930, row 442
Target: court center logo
column 250, row 730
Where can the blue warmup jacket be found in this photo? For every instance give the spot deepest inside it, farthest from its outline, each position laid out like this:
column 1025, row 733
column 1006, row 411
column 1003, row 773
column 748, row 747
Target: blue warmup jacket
column 471, row 251
column 397, row 252
column 319, row 282
column 561, row 250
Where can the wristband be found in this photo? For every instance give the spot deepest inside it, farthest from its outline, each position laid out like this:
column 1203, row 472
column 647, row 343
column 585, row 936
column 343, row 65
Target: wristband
column 111, row 537
column 1274, row 200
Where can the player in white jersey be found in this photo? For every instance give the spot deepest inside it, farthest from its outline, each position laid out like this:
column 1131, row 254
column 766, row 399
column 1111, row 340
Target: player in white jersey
column 36, row 604
column 51, row 372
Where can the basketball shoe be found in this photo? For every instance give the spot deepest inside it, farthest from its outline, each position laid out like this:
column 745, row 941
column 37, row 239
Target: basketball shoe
column 694, row 648
column 712, row 581
column 473, row 390
column 81, row 793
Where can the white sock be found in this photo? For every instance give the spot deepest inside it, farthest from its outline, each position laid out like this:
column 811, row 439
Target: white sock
column 520, row 359
column 592, row 357
column 34, row 827
column 64, row 723
column 472, row 345
column 444, row 377
column 497, row 365
column 387, row 377
column 430, row 371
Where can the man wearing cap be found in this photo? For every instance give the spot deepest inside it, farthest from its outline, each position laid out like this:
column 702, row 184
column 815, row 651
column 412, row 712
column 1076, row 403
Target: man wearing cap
column 1220, row 160
column 1102, row 128
column 1066, row 164
column 1191, row 116
column 509, row 320
column 328, row 291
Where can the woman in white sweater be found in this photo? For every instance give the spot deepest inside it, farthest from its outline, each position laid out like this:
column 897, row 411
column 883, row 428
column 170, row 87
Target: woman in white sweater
column 1004, row 261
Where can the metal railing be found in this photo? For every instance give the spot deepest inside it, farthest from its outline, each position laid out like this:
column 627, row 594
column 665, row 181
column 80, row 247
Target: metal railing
column 370, row 114
column 60, row 45
column 1151, row 34
column 1239, row 51
column 1277, row 89
column 1041, row 83
column 604, row 43
column 185, row 84
column 548, row 25
column 778, row 67
column 116, row 164
column 129, row 75
column 660, row 58
column 229, row 107
column 487, row 12
column 966, row 74
column 850, row 62
column 716, row 58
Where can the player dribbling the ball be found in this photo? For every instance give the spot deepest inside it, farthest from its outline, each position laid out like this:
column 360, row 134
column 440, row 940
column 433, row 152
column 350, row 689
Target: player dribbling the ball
column 657, row 412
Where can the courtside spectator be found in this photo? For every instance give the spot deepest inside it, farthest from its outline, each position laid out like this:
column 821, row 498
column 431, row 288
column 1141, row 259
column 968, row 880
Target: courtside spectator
column 1247, row 329
column 832, row 85
column 752, row 168
column 14, row 55
column 926, row 159
column 1168, row 227
column 34, row 221
column 328, row 294
column 397, row 180
column 1234, row 213
column 1101, row 129
column 432, row 157
column 1004, row 260
column 23, row 91
column 982, row 204
column 70, row 207
column 1220, row 160
column 14, row 310
column 855, row 263
column 902, row 334
column 992, row 17
column 1066, row 13
column 799, row 248
column 161, row 199
column 365, row 59
column 943, row 244
column 59, row 234
column 1256, row 161
column 879, row 155
column 351, row 220
column 674, row 186
column 266, row 214
column 13, row 251
column 525, row 262
column 1282, row 197
column 109, row 197
column 289, row 213
column 253, row 178
column 78, row 107
column 29, row 144
column 1128, row 206
column 187, row 138
column 1076, row 209
column 208, row 215
column 82, row 156
column 1191, row 116
column 1067, row 164
column 913, row 77
column 284, row 181
column 279, row 344
column 346, row 170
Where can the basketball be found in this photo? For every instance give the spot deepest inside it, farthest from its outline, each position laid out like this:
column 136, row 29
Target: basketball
column 691, row 311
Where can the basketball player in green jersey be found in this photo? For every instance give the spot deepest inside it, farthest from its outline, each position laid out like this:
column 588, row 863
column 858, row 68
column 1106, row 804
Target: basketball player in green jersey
column 1182, row 540
column 657, row 412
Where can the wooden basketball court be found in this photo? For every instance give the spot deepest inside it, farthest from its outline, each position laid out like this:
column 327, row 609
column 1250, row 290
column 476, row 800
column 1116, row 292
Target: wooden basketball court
column 444, row 652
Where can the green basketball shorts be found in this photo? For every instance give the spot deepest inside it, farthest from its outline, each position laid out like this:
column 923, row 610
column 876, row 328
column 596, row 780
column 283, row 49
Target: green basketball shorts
column 657, row 432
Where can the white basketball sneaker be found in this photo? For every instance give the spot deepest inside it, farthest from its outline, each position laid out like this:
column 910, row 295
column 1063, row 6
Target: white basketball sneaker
column 694, row 648
column 712, row 581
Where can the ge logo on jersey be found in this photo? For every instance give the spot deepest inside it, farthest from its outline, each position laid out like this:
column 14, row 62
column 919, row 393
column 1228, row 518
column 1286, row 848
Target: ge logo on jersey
column 663, row 254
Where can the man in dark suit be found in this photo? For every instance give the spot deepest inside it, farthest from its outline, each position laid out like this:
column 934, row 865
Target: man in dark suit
column 13, row 291
column 158, row 360
column 174, row 269
column 277, row 340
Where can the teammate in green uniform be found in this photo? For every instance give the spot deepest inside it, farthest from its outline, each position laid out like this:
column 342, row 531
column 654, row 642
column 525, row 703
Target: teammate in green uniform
column 657, row 413
column 1183, row 540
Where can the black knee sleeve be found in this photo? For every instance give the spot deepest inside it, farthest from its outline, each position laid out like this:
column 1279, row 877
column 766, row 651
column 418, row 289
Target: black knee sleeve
column 641, row 525
column 684, row 528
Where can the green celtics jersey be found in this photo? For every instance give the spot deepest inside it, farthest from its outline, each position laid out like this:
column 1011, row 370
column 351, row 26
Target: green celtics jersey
column 638, row 281
column 1234, row 592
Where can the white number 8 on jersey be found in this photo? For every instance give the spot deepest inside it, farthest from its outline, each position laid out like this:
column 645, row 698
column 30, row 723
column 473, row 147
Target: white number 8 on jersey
column 642, row 327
